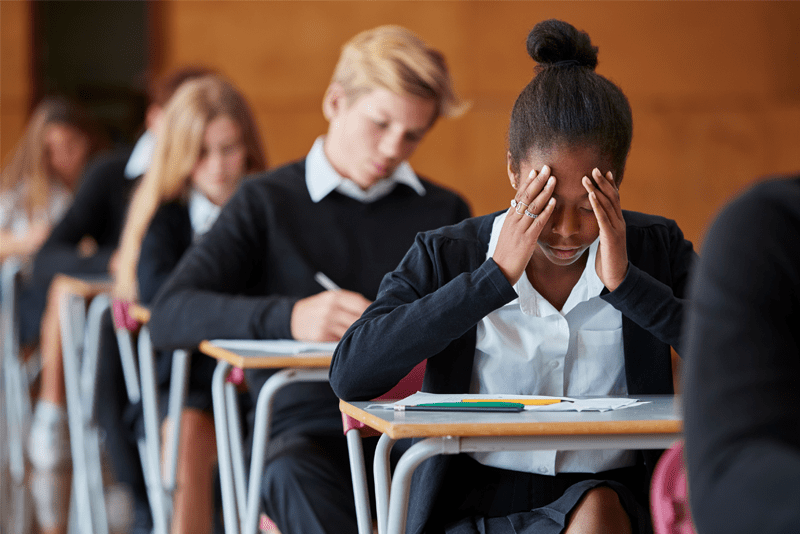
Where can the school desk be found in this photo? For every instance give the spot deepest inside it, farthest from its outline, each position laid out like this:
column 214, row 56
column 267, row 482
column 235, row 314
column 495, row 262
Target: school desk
column 655, row 425
column 240, row 506
column 80, row 336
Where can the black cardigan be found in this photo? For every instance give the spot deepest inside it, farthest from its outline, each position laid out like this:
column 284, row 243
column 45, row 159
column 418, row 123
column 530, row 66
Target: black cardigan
column 98, row 211
column 429, row 308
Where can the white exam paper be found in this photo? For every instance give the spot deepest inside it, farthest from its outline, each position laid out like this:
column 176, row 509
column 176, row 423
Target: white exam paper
column 274, row 346
column 598, row 404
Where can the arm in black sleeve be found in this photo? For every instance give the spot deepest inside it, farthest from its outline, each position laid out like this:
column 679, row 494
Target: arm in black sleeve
column 168, row 237
column 421, row 308
column 742, row 402
column 90, row 214
column 656, row 300
column 219, row 288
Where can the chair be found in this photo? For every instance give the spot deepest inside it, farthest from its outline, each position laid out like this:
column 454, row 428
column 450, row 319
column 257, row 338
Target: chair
column 141, row 387
column 669, row 496
column 355, row 430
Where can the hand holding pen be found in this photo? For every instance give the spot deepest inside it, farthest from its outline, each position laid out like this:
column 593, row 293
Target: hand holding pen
column 326, row 316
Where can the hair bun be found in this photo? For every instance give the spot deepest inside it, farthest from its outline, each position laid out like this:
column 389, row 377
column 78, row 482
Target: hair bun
column 554, row 41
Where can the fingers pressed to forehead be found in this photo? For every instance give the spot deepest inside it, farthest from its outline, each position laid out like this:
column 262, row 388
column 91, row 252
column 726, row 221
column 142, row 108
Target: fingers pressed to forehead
column 538, row 222
column 532, row 185
column 540, row 201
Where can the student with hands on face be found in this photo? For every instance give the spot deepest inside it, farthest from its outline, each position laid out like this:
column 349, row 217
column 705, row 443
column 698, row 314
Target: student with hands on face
column 596, row 209
column 561, row 294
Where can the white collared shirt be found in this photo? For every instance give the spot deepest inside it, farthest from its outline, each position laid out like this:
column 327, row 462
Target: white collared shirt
column 528, row 347
column 140, row 157
column 202, row 213
column 322, row 179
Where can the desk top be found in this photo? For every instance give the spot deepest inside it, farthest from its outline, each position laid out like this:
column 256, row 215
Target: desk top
column 660, row 416
column 261, row 359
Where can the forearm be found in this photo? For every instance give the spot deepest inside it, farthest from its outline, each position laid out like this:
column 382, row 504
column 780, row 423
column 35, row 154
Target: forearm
column 650, row 304
column 183, row 318
column 400, row 330
column 54, row 259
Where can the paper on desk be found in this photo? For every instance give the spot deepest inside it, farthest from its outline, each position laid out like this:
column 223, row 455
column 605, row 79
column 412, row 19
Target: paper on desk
column 600, row 404
column 274, row 346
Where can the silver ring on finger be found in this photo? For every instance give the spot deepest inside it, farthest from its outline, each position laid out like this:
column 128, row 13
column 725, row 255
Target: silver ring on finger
column 520, row 207
column 530, row 214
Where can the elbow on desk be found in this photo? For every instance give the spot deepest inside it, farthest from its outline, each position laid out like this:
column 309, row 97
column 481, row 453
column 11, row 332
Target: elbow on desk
column 345, row 384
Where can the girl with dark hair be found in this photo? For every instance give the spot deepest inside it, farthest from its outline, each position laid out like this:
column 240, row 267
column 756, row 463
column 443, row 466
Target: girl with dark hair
column 562, row 294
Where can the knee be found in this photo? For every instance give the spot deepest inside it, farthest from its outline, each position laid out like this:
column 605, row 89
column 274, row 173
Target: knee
column 600, row 510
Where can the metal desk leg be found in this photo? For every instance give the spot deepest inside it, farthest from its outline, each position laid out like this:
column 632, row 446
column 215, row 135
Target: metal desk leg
column 358, row 472
column 382, row 473
column 401, row 483
column 261, row 428
column 152, row 433
column 177, row 399
column 236, row 448
column 229, row 508
column 15, row 378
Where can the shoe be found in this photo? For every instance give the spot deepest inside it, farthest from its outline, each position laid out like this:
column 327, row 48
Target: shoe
column 48, row 441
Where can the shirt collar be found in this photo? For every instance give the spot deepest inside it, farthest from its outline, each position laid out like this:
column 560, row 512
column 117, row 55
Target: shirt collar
column 202, row 212
column 322, row 179
column 141, row 155
column 531, row 303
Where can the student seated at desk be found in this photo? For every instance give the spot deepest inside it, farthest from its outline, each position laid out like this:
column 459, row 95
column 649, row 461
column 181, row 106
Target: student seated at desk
column 349, row 210
column 562, row 294
column 208, row 141
column 36, row 189
column 95, row 217
column 741, row 400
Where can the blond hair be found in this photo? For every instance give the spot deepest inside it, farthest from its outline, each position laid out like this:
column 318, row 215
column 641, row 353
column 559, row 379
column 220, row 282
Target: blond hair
column 29, row 165
column 396, row 59
column 187, row 115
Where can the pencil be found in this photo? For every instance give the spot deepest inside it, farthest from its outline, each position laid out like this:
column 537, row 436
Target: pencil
column 526, row 402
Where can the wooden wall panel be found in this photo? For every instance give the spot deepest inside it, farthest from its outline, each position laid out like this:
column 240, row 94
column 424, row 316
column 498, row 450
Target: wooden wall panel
column 15, row 74
column 715, row 86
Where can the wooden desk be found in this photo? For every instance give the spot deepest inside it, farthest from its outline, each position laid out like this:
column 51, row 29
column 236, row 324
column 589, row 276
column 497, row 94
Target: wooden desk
column 240, row 506
column 655, row 425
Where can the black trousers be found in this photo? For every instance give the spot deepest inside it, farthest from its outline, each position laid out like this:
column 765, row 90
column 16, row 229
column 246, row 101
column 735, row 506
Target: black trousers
column 307, row 487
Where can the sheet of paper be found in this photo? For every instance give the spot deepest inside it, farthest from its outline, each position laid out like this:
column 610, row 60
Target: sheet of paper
column 569, row 404
column 274, row 346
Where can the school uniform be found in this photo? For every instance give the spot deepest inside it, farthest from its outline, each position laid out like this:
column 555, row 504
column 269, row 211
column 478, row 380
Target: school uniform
column 449, row 267
column 98, row 211
column 242, row 279
column 175, row 226
column 741, row 400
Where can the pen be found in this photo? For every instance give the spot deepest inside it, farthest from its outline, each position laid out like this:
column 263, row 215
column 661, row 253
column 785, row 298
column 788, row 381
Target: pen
column 526, row 402
column 462, row 407
column 326, row 282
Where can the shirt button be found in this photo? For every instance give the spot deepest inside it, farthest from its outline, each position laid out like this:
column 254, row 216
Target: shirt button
column 543, row 470
column 555, row 364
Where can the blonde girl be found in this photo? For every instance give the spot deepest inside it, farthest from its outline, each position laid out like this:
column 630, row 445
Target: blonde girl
column 37, row 184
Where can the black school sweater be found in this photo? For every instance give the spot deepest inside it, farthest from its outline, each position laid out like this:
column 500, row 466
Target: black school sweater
column 242, row 278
